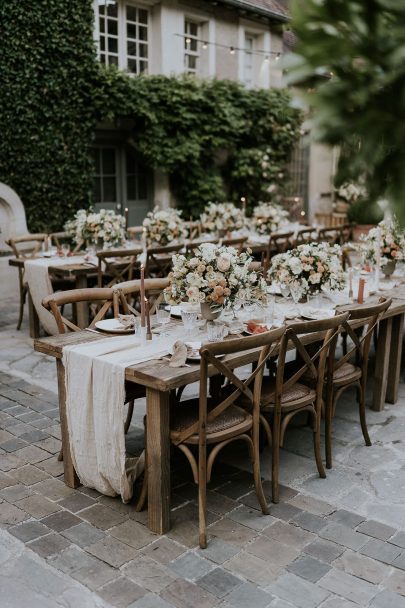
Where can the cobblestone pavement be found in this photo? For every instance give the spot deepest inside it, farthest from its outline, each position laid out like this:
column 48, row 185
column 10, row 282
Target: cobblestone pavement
column 334, row 543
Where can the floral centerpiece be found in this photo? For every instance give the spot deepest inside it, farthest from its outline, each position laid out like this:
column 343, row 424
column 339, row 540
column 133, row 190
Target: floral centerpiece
column 214, row 276
column 308, row 269
column 384, row 245
column 222, row 218
column 351, row 193
column 269, row 217
column 163, row 226
column 103, row 228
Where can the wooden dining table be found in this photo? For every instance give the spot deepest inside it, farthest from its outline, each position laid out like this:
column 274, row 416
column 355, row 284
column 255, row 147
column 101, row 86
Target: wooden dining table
column 159, row 380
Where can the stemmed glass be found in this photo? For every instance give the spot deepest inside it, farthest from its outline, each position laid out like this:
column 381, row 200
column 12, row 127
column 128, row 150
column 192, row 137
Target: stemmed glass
column 163, row 316
column 65, row 249
column 189, row 318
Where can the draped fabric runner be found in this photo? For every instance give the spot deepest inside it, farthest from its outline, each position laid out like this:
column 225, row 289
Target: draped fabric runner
column 40, row 286
column 95, row 394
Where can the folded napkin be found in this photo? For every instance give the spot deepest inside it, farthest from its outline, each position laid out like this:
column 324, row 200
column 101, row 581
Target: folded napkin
column 127, row 321
column 179, row 354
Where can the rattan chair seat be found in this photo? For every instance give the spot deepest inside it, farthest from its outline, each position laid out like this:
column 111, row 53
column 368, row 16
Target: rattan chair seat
column 346, row 373
column 186, row 413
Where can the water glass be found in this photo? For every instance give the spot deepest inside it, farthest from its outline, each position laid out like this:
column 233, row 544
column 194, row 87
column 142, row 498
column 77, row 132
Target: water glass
column 269, row 311
column 65, row 249
column 215, row 331
column 163, row 314
column 285, row 290
column 189, row 318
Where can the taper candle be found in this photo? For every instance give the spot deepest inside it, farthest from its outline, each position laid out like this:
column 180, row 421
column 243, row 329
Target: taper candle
column 142, row 295
column 360, row 296
column 126, row 215
column 148, row 329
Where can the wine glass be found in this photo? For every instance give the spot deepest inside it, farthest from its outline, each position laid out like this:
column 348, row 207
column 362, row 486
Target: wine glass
column 65, row 249
column 163, row 316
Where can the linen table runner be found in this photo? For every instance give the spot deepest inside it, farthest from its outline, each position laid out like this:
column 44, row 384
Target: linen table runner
column 95, row 394
column 40, row 286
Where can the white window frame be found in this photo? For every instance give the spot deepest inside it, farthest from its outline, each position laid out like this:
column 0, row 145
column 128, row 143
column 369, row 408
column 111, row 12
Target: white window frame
column 188, row 52
column 262, row 64
column 249, row 79
column 122, row 54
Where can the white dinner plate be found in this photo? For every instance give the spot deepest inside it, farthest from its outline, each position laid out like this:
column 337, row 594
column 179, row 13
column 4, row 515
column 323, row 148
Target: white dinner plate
column 113, row 326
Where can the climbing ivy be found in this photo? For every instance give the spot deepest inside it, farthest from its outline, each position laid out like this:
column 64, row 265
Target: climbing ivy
column 216, row 139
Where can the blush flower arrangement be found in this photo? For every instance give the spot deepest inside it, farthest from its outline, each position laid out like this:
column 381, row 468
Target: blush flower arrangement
column 389, row 238
column 222, row 217
column 217, row 275
column 269, row 217
column 163, row 226
column 309, row 269
column 104, row 227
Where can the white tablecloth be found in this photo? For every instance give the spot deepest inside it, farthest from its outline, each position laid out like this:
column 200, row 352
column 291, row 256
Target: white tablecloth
column 95, row 394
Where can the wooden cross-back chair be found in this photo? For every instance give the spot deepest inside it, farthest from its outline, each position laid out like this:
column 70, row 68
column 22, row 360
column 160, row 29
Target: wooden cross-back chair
column 343, row 374
column 159, row 260
column 59, row 238
column 304, row 236
column 126, row 295
column 135, row 232
column 194, row 228
column 238, row 242
column 345, row 233
column 103, row 297
column 329, row 235
column 208, row 424
column 286, row 393
column 279, row 243
column 116, row 266
column 25, row 247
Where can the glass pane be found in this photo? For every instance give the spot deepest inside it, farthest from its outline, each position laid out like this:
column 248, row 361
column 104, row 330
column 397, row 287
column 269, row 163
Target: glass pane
column 113, row 45
column 142, row 32
column 132, row 66
column 102, row 58
column 109, row 189
column 96, row 158
column 112, row 8
column 143, row 50
column 131, row 30
column 97, row 190
column 142, row 185
column 113, row 60
column 102, row 43
column 193, row 46
column 108, row 161
column 131, row 13
column 101, row 7
column 131, row 48
column 191, row 62
column 131, row 188
column 143, row 16
column 112, row 27
column 194, row 29
column 130, row 162
column 143, row 66
column 101, row 25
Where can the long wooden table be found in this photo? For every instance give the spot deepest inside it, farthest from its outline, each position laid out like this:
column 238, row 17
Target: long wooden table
column 159, row 379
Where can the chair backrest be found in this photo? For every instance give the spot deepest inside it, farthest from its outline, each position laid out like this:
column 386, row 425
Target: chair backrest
column 345, row 233
column 238, row 242
column 329, row 235
column 191, row 247
column 135, row 232
column 281, row 242
column 365, row 318
column 55, row 302
column 60, row 238
column 29, row 245
column 304, row 236
column 250, row 387
column 311, row 354
column 117, row 264
column 159, row 260
column 194, row 229
column 126, row 295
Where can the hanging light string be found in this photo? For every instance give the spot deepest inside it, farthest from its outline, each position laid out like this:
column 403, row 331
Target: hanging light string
column 232, row 49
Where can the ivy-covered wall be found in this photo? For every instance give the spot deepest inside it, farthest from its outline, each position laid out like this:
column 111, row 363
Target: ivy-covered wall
column 216, row 139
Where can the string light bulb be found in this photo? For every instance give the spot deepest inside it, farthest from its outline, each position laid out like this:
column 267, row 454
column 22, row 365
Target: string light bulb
column 232, row 50
column 266, row 59
column 205, row 45
column 278, row 56
column 188, row 40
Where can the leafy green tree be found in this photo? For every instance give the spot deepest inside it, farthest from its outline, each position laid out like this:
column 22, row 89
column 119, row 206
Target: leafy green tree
column 351, row 58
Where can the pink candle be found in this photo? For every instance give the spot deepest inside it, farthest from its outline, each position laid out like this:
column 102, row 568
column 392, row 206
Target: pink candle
column 148, row 330
column 142, row 295
column 360, row 297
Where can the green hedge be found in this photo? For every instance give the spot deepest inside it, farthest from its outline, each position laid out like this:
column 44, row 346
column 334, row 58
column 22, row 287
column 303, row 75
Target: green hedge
column 216, row 139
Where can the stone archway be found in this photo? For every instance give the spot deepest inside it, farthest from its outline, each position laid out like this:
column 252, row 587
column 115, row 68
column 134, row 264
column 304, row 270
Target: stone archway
column 12, row 216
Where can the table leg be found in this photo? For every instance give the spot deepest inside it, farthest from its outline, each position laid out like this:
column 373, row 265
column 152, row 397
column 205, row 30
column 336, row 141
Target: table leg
column 82, row 311
column 394, row 369
column 71, row 478
column 158, row 448
column 382, row 364
column 33, row 318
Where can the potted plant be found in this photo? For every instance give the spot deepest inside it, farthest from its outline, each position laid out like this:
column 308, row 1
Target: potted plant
column 364, row 215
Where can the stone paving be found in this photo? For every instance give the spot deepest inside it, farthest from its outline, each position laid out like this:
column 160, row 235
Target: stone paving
column 334, row 543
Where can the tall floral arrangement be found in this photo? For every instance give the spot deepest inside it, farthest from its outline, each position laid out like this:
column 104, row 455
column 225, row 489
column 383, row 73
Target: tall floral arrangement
column 388, row 238
column 351, row 192
column 222, row 217
column 163, row 226
column 269, row 217
column 104, row 226
column 215, row 275
column 309, row 268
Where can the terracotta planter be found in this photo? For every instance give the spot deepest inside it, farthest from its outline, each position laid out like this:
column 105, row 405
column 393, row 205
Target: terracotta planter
column 360, row 229
column 208, row 313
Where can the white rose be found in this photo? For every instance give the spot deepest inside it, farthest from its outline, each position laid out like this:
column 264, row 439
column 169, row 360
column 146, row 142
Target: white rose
column 223, row 263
